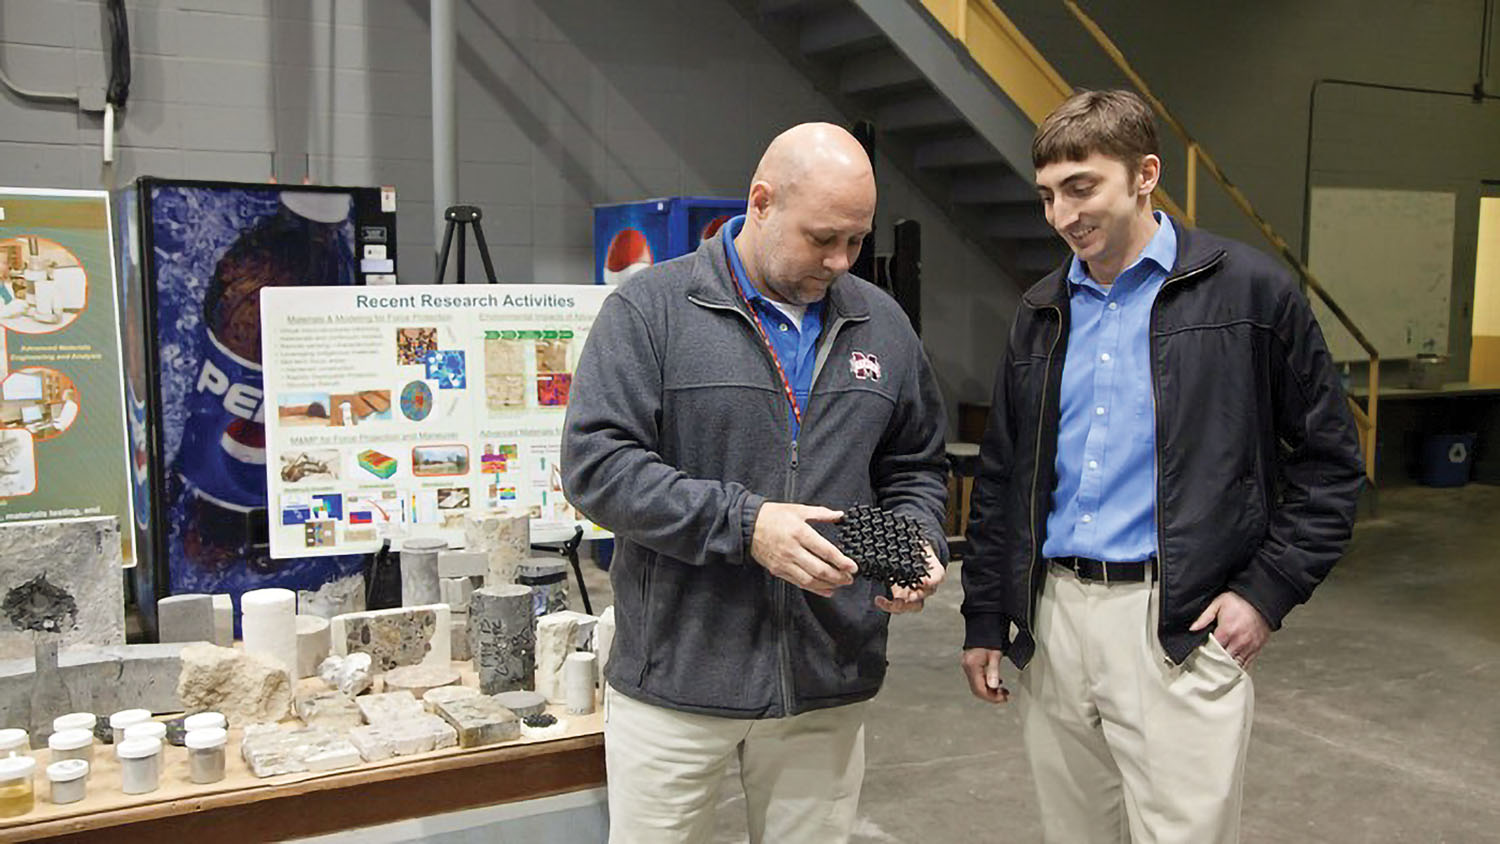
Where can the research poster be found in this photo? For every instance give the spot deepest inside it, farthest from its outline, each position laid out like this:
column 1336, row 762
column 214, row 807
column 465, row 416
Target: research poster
column 394, row 412
column 63, row 452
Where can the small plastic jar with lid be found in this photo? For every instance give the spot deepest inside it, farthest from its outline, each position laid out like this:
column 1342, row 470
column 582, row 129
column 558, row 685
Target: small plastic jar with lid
column 140, row 765
column 147, row 729
column 74, row 721
column 206, row 754
column 70, row 780
column 203, row 721
column 14, row 742
column 17, row 793
column 72, row 744
column 125, row 718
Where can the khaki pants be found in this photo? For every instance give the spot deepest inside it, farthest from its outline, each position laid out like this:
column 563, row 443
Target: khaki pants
column 1125, row 746
column 801, row 774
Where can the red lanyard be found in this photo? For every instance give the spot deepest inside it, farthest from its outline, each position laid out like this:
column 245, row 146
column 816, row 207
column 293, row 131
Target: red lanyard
column 760, row 327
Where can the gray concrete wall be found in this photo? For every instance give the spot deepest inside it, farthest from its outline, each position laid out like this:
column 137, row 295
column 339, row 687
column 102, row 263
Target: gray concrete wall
column 562, row 104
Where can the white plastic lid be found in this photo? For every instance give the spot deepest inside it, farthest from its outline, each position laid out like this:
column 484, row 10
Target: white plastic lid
column 74, row 721
column 148, row 729
column 206, row 738
column 67, row 770
column 203, row 721
column 125, row 717
column 70, row 739
column 16, row 767
column 13, row 739
column 138, row 748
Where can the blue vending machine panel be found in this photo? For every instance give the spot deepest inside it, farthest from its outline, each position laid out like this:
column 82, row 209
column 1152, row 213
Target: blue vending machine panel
column 195, row 256
column 634, row 235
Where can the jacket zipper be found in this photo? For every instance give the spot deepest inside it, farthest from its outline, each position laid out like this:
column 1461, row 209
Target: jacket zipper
column 1036, row 468
column 1161, row 545
column 782, row 588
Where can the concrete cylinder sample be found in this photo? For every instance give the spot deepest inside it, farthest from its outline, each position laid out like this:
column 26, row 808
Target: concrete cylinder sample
column 419, row 571
column 313, row 644
column 268, row 624
column 578, row 682
column 501, row 638
column 504, row 535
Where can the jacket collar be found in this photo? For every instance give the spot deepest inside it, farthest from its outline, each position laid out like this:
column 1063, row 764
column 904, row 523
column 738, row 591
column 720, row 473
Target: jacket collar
column 713, row 285
column 1193, row 254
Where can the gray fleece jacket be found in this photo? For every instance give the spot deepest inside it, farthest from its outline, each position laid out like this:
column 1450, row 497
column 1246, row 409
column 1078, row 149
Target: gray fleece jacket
column 677, row 431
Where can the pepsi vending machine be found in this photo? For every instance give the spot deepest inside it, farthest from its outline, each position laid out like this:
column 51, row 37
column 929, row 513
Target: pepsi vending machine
column 634, row 235
column 194, row 256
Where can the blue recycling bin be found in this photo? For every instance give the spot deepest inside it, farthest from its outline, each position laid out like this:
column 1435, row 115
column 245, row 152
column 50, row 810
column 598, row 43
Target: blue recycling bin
column 1447, row 459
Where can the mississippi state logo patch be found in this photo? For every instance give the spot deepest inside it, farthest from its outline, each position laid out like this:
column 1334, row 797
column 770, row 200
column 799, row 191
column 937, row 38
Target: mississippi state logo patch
column 864, row 366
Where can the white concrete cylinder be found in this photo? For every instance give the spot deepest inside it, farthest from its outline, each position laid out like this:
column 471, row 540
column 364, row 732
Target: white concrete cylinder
column 268, row 624
column 579, row 675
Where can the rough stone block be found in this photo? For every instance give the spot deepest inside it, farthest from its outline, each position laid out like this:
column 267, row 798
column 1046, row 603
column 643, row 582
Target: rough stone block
column 270, row 752
column 391, row 706
column 334, row 710
column 336, row 597
column 419, row 679
column 480, row 721
column 349, row 674
column 504, row 537
column 64, row 578
column 185, row 618
column 400, row 636
column 462, row 564
column 243, row 686
column 403, row 737
column 461, row 651
column 556, row 637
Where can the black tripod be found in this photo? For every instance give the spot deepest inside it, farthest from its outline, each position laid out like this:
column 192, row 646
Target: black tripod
column 463, row 215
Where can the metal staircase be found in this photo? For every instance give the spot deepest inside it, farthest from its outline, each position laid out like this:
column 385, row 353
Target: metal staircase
column 940, row 117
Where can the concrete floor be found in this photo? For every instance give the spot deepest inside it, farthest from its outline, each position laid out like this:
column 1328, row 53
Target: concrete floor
column 1377, row 705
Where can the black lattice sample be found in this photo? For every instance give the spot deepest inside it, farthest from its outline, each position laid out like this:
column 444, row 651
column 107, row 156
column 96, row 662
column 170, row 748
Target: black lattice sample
column 888, row 547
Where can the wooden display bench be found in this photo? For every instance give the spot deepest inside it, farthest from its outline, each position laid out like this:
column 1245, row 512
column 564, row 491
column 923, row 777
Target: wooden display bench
column 242, row 808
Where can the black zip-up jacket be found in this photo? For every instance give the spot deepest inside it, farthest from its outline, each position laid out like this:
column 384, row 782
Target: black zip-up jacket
column 1257, row 463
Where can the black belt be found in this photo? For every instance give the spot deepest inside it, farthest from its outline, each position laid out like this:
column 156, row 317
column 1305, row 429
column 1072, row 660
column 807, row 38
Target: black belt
column 1104, row 572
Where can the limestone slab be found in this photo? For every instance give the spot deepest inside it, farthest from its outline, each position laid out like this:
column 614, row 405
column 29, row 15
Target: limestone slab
column 270, row 752
column 504, row 537
column 399, row 636
column 333, row 709
column 243, row 686
column 390, row 706
column 557, row 636
column 99, row 679
column 459, row 639
column 403, row 737
column 64, row 578
column 185, row 618
column 480, row 721
column 419, row 679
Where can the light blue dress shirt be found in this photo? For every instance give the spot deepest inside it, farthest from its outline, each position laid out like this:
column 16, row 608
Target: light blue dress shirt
column 1104, row 505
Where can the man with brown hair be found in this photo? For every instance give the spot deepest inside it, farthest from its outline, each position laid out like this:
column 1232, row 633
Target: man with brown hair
column 1169, row 468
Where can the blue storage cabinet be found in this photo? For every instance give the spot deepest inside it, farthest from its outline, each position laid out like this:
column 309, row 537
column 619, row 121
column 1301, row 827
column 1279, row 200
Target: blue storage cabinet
column 633, row 235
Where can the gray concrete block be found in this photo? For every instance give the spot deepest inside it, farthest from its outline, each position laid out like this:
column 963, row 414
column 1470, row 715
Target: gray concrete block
column 185, row 618
column 71, row 570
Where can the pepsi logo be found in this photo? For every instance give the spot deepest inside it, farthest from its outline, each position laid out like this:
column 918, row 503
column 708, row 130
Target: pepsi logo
column 628, row 254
